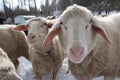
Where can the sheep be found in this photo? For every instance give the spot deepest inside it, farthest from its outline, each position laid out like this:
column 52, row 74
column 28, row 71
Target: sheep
column 14, row 43
column 7, row 69
column 92, row 44
column 46, row 61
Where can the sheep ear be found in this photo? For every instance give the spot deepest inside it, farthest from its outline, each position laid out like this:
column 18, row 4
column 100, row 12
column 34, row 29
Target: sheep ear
column 50, row 17
column 20, row 28
column 101, row 31
column 49, row 25
column 53, row 32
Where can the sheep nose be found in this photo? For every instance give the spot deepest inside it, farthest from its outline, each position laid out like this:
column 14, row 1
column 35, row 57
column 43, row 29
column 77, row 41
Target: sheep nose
column 76, row 51
column 76, row 48
column 31, row 36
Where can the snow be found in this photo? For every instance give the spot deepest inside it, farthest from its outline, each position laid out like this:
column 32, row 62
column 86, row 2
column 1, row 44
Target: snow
column 25, row 71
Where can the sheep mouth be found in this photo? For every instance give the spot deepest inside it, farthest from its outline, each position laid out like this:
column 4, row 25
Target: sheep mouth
column 77, row 57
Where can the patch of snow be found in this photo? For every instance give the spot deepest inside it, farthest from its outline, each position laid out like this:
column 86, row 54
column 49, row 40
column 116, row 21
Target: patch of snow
column 25, row 69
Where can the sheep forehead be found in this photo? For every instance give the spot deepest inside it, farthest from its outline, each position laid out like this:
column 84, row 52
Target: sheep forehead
column 35, row 24
column 37, row 27
column 36, row 20
column 75, row 11
column 76, row 23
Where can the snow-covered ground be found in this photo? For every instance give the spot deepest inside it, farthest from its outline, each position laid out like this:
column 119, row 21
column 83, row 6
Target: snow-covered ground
column 25, row 71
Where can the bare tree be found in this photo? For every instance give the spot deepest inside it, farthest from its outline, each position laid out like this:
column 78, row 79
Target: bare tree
column 35, row 11
column 64, row 3
column 35, row 5
column 21, row 3
column 24, row 2
column 47, row 7
column 4, row 5
column 29, row 4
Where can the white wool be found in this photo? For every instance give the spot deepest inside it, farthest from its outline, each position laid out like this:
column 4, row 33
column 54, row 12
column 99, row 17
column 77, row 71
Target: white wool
column 43, row 65
column 74, row 34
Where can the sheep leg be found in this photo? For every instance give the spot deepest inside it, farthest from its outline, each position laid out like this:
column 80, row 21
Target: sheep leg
column 108, row 78
column 16, row 64
column 38, row 77
column 55, row 74
column 86, row 79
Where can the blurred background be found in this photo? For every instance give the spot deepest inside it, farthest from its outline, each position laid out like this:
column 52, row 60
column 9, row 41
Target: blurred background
column 12, row 9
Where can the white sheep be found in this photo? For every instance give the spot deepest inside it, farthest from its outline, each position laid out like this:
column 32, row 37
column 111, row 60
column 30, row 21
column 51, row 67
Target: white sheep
column 7, row 69
column 46, row 61
column 14, row 43
column 92, row 44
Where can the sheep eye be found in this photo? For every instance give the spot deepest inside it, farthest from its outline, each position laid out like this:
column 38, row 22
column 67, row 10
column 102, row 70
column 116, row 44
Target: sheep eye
column 45, row 24
column 61, row 23
column 86, row 27
column 27, row 25
column 65, row 28
column 90, row 21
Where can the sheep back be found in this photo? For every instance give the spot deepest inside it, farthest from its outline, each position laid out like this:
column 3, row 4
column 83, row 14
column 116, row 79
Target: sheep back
column 14, row 43
column 7, row 69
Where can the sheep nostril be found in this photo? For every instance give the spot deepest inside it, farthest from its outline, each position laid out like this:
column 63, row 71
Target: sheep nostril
column 33, row 37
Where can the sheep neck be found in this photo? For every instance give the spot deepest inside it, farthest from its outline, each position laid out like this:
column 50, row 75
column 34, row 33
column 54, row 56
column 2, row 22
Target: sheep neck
column 49, row 53
column 45, row 53
column 89, row 66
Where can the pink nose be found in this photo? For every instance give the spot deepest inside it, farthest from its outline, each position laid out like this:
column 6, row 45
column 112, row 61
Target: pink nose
column 31, row 36
column 77, row 51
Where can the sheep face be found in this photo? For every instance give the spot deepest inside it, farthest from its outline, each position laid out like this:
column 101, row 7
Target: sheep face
column 37, row 30
column 80, row 37
column 76, row 29
column 77, row 38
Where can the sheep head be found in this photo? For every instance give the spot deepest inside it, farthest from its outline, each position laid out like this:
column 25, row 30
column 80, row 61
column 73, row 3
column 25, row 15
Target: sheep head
column 37, row 29
column 76, row 29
